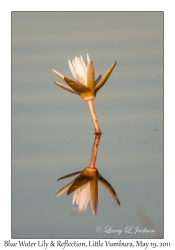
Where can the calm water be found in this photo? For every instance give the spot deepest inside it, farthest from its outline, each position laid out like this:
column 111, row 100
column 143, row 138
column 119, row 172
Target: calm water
column 52, row 132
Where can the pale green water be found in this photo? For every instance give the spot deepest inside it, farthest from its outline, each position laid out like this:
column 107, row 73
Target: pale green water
column 52, row 133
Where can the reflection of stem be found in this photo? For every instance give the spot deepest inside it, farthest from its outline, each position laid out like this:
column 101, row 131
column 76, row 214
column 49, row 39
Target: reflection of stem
column 94, row 151
column 94, row 116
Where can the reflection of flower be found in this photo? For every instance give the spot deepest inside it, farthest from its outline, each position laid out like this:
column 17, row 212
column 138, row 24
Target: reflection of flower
column 85, row 188
column 82, row 197
column 84, row 84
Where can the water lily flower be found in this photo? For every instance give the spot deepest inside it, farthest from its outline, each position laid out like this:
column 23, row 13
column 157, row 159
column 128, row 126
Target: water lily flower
column 85, row 189
column 85, row 186
column 84, row 83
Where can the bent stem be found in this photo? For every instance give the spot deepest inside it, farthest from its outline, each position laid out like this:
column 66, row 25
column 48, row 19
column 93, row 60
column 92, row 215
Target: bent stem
column 94, row 116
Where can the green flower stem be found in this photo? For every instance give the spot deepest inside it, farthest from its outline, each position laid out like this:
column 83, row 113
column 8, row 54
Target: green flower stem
column 94, row 116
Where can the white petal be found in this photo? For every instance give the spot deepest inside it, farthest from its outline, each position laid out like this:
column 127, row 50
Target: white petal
column 88, row 59
column 87, row 201
column 84, row 197
column 79, row 67
column 73, row 63
column 76, row 196
column 80, row 72
column 83, row 63
column 74, row 66
column 72, row 69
